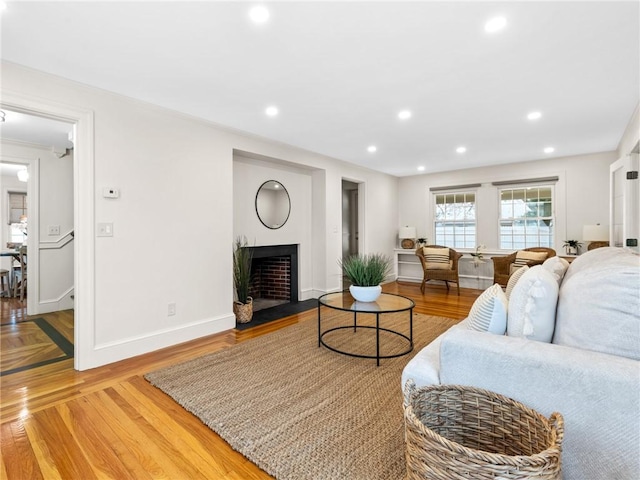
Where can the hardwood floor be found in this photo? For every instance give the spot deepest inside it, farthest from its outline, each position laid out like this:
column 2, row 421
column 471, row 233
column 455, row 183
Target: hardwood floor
column 109, row 422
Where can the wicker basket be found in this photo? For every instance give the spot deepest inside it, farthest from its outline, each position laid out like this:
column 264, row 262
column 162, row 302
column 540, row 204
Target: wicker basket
column 456, row 432
column 243, row 311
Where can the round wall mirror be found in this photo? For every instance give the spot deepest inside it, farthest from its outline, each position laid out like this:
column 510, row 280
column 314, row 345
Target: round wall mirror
column 273, row 204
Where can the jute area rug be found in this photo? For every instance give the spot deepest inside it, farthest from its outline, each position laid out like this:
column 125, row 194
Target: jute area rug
column 303, row 412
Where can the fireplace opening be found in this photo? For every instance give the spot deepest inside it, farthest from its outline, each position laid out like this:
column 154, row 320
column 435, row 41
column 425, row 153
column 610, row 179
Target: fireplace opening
column 274, row 276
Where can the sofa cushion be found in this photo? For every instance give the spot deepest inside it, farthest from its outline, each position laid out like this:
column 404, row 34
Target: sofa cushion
column 557, row 267
column 489, row 312
column 599, row 303
column 532, row 305
column 513, row 279
column 436, row 258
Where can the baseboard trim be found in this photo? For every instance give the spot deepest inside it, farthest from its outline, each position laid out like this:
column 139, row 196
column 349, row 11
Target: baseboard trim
column 110, row 352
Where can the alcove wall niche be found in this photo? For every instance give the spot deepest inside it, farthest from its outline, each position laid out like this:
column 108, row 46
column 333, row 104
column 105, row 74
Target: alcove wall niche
column 250, row 171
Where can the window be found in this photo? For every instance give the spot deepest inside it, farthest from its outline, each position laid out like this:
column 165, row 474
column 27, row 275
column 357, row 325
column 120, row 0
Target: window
column 526, row 217
column 455, row 219
column 17, row 217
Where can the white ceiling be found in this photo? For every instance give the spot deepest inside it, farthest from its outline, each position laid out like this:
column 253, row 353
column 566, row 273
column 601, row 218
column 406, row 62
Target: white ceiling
column 340, row 72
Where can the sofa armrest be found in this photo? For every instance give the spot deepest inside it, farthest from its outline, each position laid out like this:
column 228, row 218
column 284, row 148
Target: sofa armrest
column 598, row 394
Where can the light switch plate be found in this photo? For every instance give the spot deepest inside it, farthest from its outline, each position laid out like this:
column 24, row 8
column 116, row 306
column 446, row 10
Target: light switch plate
column 53, row 230
column 105, row 229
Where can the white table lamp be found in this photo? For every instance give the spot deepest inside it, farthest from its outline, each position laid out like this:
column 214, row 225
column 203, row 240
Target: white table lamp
column 597, row 235
column 407, row 237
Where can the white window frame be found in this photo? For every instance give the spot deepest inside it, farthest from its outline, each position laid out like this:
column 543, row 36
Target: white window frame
column 552, row 219
column 452, row 240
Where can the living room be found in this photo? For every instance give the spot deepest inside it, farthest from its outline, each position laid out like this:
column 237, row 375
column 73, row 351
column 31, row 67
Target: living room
column 187, row 187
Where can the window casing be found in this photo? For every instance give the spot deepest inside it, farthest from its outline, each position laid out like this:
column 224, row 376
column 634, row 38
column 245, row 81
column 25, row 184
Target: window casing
column 526, row 217
column 455, row 219
column 17, row 218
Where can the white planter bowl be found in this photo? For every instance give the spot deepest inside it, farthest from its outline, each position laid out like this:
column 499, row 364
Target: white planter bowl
column 365, row 294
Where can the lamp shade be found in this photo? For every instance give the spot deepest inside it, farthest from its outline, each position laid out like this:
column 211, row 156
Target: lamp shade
column 595, row 233
column 407, row 232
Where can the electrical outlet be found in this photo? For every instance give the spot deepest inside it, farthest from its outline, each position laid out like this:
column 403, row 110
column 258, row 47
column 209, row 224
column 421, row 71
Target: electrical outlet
column 53, row 230
column 171, row 309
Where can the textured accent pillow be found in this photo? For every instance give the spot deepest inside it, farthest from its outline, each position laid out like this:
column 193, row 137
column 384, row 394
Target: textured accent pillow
column 532, row 305
column 437, row 258
column 557, row 267
column 524, row 256
column 489, row 311
column 513, row 279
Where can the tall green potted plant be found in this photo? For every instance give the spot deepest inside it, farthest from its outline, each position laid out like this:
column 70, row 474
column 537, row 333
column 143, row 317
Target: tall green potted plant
column 242, row 256
column 366, row 273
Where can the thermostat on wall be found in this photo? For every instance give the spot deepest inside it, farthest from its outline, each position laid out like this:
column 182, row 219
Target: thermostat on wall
column 108, row 192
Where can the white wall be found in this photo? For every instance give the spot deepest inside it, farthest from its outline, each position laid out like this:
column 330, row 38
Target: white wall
column 582, row 195
column 173, row 223
column 631, row 134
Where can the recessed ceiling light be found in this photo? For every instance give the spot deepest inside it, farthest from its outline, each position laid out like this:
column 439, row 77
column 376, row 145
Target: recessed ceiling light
column 549, row 150
column 371, row 148
column 495, row 24
column 461, row 149
column 259, row 14
column 421, row 168
column 404, row 114
column 534, row 115
column 271, row 111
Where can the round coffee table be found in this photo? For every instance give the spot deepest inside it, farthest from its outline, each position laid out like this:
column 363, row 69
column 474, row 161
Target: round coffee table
column 386, row 303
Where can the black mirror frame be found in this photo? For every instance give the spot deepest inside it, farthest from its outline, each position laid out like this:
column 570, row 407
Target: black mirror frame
column 288, row 198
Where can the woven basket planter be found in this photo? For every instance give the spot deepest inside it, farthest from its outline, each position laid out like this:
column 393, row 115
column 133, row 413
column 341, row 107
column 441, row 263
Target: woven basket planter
column 456, row 432
column 243, row 311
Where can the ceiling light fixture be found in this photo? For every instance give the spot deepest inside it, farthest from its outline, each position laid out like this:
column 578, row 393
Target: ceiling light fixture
column 371, row 148
column 271, row 111
column 461, row 149
column 259, row 14
column 3, row 5
column 549, row 150
column 421, row 168
column 495, row 24
column 404, row 114
column 23, row 175
column 534, row 115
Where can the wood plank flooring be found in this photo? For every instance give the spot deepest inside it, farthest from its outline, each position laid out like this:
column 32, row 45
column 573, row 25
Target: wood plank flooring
column 109, row 422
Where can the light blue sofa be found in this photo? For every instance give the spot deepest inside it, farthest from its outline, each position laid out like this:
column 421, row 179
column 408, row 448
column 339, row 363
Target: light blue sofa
column 590, row 372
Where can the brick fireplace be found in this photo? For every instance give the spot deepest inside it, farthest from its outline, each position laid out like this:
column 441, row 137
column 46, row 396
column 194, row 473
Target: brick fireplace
column 274, row 272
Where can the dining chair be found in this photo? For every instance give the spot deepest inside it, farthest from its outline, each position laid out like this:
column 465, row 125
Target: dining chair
column 21, row 272
column 4, row 282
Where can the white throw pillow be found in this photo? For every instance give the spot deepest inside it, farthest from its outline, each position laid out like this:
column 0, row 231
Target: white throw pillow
column 489, row 311
column 532, row 305
column 436, row 258
column 557, row 267
column 513, row 279
column 524, row 256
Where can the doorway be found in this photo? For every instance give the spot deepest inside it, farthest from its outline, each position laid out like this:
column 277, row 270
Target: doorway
column 42, row 150
column 350, row 221
column 83, row 214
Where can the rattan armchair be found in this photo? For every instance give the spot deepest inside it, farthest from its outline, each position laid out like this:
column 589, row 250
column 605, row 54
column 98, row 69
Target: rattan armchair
column 502, row 265
column 445, row 275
